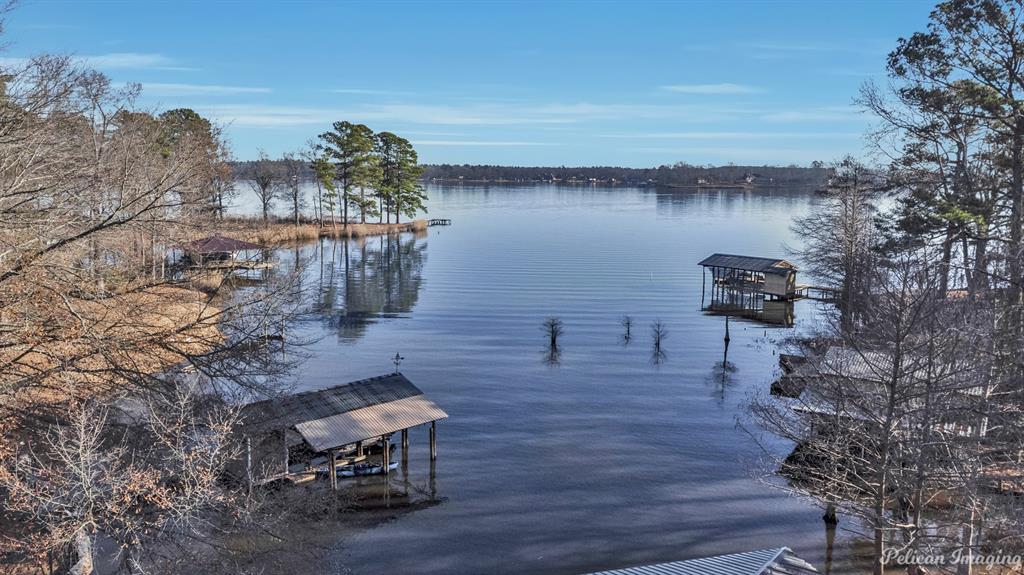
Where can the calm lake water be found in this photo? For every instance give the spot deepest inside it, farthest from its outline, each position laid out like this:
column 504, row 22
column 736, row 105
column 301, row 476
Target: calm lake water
column 605, row 456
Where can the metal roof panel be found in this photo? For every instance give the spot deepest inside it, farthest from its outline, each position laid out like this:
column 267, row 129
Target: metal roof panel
column 369, row 422
column 748, row 263
column 291, row 410
column 779, row 561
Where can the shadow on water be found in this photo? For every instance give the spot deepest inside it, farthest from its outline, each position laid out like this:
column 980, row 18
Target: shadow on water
column 400, row 491
column 362, row 280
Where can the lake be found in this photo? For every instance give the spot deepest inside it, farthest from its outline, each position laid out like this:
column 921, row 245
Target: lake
column 604, row 455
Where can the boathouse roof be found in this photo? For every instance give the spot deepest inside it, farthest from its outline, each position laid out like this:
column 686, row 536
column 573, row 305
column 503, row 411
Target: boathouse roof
column 748, row 263
column 344, row 414
column 779, row 561
column 218, row 244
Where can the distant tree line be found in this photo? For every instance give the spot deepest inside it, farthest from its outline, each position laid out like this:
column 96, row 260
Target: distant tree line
column 680, row 173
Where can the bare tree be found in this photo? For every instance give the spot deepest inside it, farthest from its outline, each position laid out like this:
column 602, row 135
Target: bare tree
column 658, row 333
column 892, row 414
column 292, row 171
column 94, row 198
column 135, row 486
column 266, row 183
column 838, row 239
column 554, row 328
column 627, row 326
column 222, row 181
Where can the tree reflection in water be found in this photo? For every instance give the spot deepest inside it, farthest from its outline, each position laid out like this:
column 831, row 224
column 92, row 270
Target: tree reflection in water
column 365, row 279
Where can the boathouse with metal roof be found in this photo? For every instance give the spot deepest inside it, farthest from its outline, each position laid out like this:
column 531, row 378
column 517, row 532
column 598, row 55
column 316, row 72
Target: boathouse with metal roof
column 339, row 420
column 771, row 276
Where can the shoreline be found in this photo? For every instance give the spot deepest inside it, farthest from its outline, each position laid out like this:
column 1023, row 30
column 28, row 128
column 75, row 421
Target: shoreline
column 276, row 233
column 621, row 184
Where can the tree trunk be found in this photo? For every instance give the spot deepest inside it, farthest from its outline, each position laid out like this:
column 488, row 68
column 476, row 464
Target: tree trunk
column 947, row 256
column 980, row 265
column 879, row 532
column 344, row 207
column 83, row 547
column 320, row 203
column 965, row 246
column 1017, row 201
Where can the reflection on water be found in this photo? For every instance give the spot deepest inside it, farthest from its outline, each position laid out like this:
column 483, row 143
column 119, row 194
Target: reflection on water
column 362, row 280
column 749, row 305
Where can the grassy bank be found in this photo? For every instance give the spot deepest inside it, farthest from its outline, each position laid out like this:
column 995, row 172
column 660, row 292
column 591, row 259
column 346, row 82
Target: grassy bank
column 284, row 232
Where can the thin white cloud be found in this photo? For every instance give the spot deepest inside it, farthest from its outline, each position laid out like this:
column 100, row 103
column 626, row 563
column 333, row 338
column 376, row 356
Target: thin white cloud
column 13, row 62
column 433, row 133
column 114, row 61
column 816, row 114
column 773, row 48
column 851, row 72
column 474, row 143
column 802, row 46
column 42, row 26
column 365, row 92
column 729, row 135
column 133, row 60
column 162, row 89
column 268, row 116
column 752, row 155
column 723, row 88
column 470, row 114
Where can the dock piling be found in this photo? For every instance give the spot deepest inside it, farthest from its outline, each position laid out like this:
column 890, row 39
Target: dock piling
column 333, row 470
column 433, row 440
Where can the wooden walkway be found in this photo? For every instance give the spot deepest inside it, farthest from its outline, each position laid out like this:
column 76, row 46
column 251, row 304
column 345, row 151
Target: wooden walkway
column 819, row 293
column 236, row 265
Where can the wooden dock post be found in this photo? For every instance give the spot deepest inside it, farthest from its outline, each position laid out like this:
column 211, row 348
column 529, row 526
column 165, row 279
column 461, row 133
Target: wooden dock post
column 333, row 469
column 386, row 455
column 433, row 480
column 703, row 281
column 405, row 447
column 359, row 449
column 433, row 440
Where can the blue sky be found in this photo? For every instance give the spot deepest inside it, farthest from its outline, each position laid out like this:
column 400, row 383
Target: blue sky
column 514, row 83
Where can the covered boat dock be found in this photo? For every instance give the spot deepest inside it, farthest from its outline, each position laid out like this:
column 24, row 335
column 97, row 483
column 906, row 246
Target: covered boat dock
column 771, row 276
column 334, row 425
column 219, row 251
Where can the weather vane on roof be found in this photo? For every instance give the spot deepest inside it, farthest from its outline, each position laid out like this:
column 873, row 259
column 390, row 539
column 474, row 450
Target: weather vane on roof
column 397, row 360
